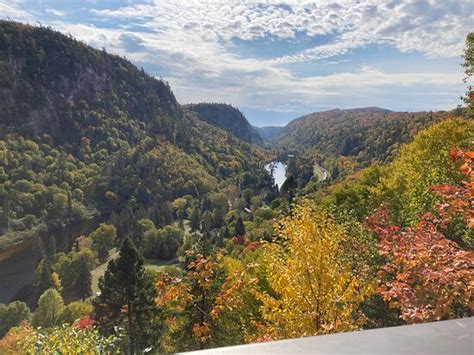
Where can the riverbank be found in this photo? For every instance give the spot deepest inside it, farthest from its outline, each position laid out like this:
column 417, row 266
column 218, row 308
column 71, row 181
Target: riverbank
column 18, row 262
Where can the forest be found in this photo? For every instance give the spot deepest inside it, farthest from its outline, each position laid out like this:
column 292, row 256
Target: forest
column 196, row 247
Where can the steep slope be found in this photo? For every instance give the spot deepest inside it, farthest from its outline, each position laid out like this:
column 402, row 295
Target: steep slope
column 85, row 132
column 228, row 118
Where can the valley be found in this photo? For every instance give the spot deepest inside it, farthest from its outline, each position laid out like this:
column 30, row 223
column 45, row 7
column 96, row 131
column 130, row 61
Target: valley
column 130, row 221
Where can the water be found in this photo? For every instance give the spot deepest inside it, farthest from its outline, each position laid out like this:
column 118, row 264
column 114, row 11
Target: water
column 16, row 271
column 279, row 172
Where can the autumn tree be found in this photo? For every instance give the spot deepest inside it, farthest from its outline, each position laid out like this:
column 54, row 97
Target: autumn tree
column 314, row 288
column 127, row 299
column 426, row 275
column 12, row 314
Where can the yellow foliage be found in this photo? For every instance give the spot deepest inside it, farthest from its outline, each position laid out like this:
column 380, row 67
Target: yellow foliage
column 316, row 290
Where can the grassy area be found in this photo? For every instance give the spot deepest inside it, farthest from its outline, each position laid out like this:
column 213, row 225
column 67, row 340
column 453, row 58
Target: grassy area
column 150, row 264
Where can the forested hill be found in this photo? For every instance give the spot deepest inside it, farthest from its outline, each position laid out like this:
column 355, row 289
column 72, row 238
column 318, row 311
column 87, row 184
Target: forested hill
column 51, row 83
column 345, row 140
column 83, row 131
column 228, row 118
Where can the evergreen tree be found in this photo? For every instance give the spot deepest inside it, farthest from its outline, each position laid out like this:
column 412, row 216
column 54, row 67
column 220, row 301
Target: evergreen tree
column 288, row 188
column 45, row 279
column 239, row 227
column 207, row 222
column 38, row 249
column 82, row 286
column 195, row 221
column 127, row 298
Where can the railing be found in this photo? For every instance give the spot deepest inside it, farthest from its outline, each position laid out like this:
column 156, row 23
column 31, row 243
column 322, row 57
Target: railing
column 454, row 337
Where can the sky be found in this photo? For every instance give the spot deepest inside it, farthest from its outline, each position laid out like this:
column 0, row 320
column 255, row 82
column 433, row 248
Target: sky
column 278, row 60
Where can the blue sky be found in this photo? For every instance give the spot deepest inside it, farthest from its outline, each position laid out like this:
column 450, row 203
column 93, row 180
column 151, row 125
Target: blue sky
column 278, row 60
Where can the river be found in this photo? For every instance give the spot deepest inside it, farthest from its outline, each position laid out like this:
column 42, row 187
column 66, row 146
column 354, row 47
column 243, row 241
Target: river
column 17, row 264
column 278, row 170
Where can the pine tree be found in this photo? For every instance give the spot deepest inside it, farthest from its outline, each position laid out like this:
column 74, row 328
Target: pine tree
column 127, row 299
column 82, row 286
column 38, row 249
column 239, row 227
column 45, row 279
column 195, row 221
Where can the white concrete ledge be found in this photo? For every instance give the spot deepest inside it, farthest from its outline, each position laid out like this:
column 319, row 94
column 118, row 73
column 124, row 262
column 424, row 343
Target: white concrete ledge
column 454, row 337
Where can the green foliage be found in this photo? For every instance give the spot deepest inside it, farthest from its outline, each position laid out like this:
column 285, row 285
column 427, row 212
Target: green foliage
column 12, row 314
column 49, row 311
column 343, row 141
column 102, row 135
column 162, row 243
column 83, row 282
column 239, row 227
column 74, row 271
column 469, row 72
column 75, row 310
column 102, row 239
column 405, row 185
column 127, row 299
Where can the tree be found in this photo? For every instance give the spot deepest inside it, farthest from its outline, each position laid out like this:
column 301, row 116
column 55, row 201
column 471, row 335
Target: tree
column 195, row 222
column 127, row 298
column 314, row 288
column 207, row 221
column 76, row 310
column 426, row 275
column 12, row 314
column 45, row 281
column 162, row 243
column 102, row 240
column 288, row 188
column 83, row 283
column 239, row 227
column 469, row 72
column 50, row 308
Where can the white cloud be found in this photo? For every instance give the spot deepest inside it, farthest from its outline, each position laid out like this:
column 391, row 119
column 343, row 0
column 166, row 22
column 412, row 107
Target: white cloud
column 192, row 44
column 55, row 12
column 12, row 10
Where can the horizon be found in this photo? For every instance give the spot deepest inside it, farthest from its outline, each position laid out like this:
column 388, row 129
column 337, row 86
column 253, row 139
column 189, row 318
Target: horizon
column 277, row 61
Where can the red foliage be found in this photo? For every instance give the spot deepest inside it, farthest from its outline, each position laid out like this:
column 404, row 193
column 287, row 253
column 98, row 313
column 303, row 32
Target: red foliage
column 426, row 274
column 85, row 322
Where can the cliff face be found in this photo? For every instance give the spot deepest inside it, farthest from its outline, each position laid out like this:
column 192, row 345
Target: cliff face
column 51, row 83
column 228, row 118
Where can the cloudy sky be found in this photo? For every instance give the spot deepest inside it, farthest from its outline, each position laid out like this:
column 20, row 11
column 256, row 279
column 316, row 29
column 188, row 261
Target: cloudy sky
column 277, row 60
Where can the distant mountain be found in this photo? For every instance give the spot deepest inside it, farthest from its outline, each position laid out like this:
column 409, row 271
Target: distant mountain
column 268, row 133
column 228, row 118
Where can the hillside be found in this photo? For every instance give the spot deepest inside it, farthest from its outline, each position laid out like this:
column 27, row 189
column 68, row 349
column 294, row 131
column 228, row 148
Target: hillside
column 228, row 118
column 343, row 141
column 85, row 132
